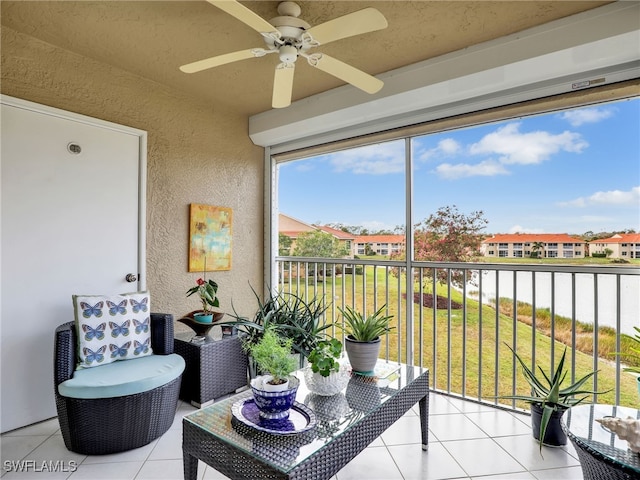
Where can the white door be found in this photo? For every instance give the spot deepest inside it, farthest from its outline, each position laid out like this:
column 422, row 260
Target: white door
column 72, row 223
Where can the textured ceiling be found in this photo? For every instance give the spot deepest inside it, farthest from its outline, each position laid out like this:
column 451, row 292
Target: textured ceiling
column 152, row 39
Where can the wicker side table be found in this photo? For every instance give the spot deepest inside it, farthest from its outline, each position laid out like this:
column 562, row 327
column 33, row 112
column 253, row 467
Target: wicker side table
column 214, row 368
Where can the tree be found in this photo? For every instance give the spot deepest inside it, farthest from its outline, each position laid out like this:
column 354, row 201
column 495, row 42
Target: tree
column 448, row 236
column 318, row 244
column 284, row 245
column 537, row 249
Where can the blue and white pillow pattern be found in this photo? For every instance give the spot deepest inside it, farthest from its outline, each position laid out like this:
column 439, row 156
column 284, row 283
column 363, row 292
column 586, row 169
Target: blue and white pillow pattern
column 112, row 328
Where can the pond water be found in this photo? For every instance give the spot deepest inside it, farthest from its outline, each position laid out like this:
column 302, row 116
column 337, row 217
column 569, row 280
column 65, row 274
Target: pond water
column 585, row 301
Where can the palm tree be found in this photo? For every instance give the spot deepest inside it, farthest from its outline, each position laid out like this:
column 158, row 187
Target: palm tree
column 537, row 249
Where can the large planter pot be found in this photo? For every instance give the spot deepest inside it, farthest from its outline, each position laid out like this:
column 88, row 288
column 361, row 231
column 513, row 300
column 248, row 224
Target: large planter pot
column 274, row 406
column 554, row 436
column 362, row 355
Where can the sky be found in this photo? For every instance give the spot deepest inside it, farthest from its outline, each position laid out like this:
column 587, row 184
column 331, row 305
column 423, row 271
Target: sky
column 572, row 172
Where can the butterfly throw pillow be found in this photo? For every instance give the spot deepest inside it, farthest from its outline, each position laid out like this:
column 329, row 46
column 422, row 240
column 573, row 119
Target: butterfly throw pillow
column 111, row 328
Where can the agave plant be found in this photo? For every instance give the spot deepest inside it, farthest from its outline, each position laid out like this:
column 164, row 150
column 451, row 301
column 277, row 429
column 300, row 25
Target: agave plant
column 366, row 329
column 547, row 391
column 290, row 316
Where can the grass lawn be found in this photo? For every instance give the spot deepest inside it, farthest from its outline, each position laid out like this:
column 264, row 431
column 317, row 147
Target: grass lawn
column 475, row 364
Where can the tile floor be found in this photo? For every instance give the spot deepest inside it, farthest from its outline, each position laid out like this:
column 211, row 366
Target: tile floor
column 466, row 440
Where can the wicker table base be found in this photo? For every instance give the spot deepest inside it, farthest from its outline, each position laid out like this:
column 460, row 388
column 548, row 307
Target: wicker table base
column 346, row 424
column 214, row 368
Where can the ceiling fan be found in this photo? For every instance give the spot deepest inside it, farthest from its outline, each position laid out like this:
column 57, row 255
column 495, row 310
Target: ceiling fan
column 291, row 37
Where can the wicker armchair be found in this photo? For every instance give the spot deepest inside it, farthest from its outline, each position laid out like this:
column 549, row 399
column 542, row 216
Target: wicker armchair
column 99, row 426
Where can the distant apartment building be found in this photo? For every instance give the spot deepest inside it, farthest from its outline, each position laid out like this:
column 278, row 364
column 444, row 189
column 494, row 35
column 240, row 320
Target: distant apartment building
column 356, row 245
column 293, row 228
column 621, row 245
column 541, row 245
column 378, row 244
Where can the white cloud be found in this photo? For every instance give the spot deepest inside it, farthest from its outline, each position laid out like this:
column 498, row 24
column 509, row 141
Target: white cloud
column 586, row 115
column 521, row 229
column 487, row 168
column 445, row 148
column 377, row 159
column 612, row 197
column 514, row 147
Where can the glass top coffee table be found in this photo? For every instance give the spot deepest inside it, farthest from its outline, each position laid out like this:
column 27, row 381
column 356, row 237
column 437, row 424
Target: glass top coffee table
column 345, row 424
column 602, row 453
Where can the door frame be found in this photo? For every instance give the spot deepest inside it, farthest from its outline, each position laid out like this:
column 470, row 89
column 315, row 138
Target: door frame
column 142, row 166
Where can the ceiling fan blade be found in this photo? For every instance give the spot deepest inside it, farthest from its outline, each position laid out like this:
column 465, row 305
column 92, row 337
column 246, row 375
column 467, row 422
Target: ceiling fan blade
column 346, row 72
column 283, row 85
column 245, row 15
column 217, row 61
column 356, row 23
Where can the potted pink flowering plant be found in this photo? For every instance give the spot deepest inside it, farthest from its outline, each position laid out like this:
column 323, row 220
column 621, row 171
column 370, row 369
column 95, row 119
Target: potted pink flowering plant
column 207, row 291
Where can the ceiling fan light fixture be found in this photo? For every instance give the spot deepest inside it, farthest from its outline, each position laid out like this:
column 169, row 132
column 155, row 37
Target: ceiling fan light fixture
column 288, row 54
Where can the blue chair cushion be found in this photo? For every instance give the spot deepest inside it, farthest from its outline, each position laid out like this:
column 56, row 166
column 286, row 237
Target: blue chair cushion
column 126, row 377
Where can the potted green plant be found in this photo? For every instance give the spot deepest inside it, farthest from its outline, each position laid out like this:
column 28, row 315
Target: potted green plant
column 207, row 290
column 274, row 393
column 272, row 354
column 549, row 399
column 291, row 316
column 325, row 375
column 363, row 337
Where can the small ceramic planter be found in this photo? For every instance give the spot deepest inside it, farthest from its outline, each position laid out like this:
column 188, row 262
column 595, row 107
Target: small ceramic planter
column 274, row 405
column 326, row 386
column 203, row 318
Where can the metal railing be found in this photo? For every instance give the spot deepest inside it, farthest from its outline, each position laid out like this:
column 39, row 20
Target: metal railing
column 464, row 316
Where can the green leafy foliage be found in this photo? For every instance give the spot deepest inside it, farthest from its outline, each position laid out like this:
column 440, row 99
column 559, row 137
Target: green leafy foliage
column 273, row 356
column 635, row 356
column 207, row 291
column 318, row 244
column 366, row 329
column 547, row 391
column 290, row 316
column 324, row 357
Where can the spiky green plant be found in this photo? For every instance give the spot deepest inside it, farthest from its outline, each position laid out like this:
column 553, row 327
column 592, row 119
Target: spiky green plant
column 547, row 391
column 366, row 329
column 636, row 351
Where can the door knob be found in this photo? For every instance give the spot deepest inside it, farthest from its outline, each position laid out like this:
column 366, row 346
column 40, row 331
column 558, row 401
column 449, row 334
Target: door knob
column 131, row 277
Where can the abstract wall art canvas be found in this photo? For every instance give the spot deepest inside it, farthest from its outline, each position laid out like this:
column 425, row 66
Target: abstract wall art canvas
column 209, row 238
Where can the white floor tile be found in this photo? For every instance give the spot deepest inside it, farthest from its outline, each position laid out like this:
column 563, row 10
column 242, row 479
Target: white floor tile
column 571, row 473
column 434, row 464
column 53, row 449
column 439, row 405
column 19, row 447
column 454, row 427
column 482, row 457
column 498, row 423
column 507, row 476
column 526, row 450
column 373, row 463
column 47, row 427
column 107, row 471
column 405, row 430
column 161, row 470
column 466, row 406
column 168, row 446
column 136, row 455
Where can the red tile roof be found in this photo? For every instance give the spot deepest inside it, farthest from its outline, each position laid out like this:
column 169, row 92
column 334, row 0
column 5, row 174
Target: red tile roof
column 379, row 239
column 620, row 238
column 335, row 232
column 533, row 237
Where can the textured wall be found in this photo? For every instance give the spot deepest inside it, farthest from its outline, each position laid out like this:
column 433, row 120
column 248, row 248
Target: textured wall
column 196, row 154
